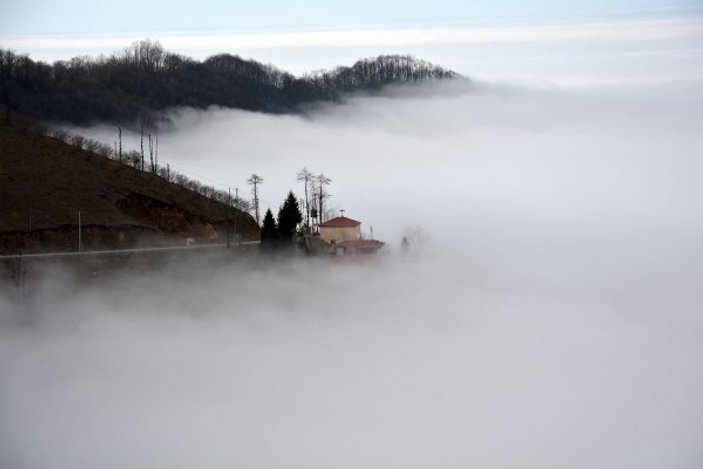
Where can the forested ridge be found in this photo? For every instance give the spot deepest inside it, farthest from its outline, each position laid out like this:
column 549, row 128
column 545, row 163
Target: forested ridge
column 137, row 82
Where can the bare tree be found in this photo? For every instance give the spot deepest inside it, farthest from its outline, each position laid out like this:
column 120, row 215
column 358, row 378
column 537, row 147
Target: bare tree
column 152, row 167
column 306, row 177
column 78, row 141
column 147, row 54
column 141, row 143
column 254, row 181
column 119, row 131
column 322, row 193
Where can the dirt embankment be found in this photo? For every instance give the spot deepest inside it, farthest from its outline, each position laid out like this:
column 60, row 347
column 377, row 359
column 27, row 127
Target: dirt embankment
column 45, row 184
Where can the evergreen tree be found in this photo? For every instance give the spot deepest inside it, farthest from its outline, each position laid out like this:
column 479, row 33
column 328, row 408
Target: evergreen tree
column 269, row 231
column 289, row 216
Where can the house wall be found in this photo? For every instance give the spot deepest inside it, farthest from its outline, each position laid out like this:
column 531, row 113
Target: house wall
column 327, row 234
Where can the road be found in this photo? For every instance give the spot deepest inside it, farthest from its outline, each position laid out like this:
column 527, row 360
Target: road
column 125, row 251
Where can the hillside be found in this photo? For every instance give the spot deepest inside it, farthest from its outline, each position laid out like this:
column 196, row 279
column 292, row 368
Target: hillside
column 45, row 182
column 144, row 79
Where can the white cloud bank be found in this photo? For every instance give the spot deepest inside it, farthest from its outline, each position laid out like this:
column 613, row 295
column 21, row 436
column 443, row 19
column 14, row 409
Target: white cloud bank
column 553, row 321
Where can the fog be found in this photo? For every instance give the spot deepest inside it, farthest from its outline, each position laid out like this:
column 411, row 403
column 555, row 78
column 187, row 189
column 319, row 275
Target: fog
column 552, row 317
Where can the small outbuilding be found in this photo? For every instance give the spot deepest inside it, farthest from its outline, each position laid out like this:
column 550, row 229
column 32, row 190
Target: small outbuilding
column 356, row 247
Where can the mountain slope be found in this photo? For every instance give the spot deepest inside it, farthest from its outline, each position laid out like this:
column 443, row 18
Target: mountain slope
column 44, row 183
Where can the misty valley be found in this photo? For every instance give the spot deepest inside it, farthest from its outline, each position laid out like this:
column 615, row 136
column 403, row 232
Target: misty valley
column 217, row 263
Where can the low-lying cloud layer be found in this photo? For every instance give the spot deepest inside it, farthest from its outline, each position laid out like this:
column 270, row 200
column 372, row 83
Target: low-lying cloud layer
column 552, row 320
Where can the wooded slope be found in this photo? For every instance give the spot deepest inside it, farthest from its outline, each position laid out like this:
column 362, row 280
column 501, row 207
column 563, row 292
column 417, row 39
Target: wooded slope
column 144, row 79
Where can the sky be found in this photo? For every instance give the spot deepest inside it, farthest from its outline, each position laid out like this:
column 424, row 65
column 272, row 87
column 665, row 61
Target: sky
column 81, row 16
column 567, row 43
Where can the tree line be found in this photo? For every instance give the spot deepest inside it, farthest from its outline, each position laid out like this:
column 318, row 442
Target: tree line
column 295, row 219
column 280, row 234
column 292, row 220
column 314, row 208
column 132, row 85
column 137, row 159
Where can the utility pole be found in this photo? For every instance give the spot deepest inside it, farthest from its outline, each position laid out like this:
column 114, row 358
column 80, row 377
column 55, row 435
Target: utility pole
column 120, row 134
column 152, row 168
column 141, row 143
column 254, row 181
column 229, row 210
column 80, row 241
column 236, row 199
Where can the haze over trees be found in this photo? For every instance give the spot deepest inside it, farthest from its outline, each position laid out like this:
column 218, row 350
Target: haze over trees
column 134, row 84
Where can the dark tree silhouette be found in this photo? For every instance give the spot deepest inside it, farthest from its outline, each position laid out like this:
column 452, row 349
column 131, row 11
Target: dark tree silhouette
column 289, row 217
column 133, row 85
column 269, row 232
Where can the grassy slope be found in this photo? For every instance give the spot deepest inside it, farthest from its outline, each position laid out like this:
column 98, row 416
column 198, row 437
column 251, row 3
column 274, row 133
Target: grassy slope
column 52, row 181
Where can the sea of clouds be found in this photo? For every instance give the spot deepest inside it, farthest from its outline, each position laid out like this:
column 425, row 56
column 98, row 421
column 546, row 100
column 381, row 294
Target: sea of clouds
column 551, row 316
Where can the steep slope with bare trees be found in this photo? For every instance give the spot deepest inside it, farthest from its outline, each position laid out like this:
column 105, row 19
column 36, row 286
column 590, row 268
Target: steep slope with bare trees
column 45, row 183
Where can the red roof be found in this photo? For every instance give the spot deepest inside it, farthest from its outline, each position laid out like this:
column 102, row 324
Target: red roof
column 340, row 222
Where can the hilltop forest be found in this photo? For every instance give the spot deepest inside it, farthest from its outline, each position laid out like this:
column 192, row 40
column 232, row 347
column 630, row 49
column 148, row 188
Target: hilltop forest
column 137, row 82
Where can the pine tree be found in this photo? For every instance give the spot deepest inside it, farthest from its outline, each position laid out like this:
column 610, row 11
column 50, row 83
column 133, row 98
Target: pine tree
column 289, row 216
column 269, row 231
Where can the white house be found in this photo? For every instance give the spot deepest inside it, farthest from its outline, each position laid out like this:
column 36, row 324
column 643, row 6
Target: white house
column 343, row 235
column 340, row 229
